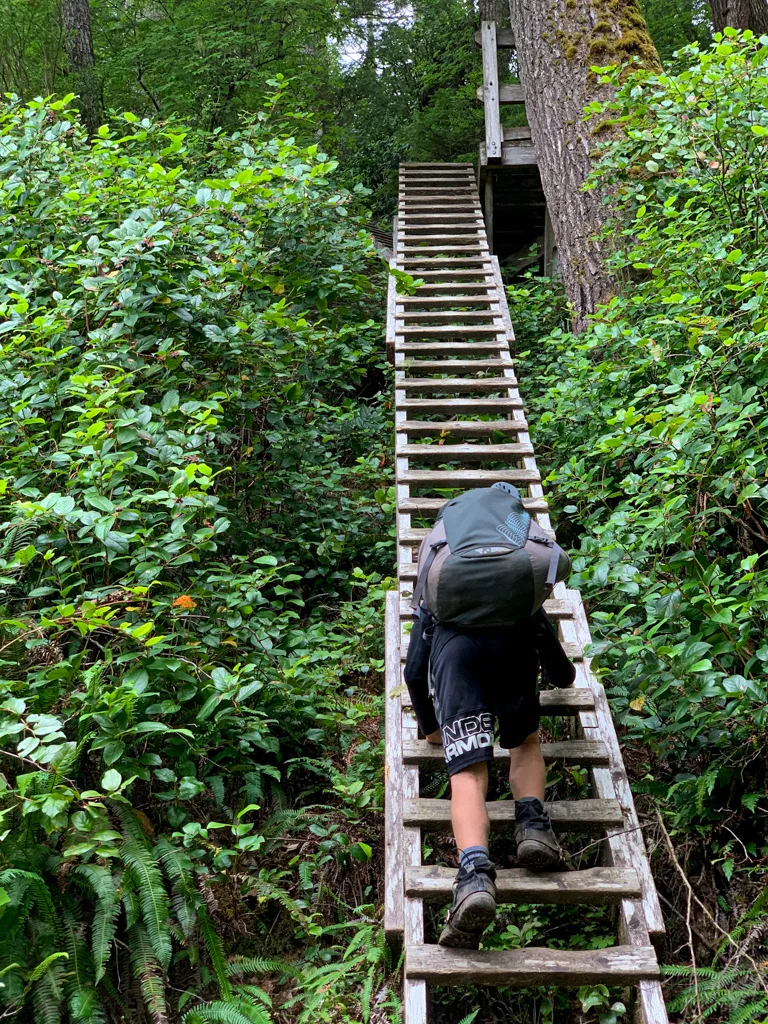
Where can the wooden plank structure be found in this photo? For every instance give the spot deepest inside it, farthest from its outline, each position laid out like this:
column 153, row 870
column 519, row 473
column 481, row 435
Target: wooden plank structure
column 511, row 195
column 456, row 396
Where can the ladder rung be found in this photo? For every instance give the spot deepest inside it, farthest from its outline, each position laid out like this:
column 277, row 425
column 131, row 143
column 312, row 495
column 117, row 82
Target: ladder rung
column 458, row 405
column 566, row 815
column 449, row 347
column 617, row 965
column 451, row 365
column 589, row 887
column 463, row 428
column 568, row 752
column 446, row 300
column 450, row 330
column 427, row 506
column 454, row 316
column 554, row 703
column 465, row 452
column 432, row 478
column 455, row 383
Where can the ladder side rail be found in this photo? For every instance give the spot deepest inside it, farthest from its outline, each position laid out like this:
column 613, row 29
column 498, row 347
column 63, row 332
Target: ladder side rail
column 492, row 110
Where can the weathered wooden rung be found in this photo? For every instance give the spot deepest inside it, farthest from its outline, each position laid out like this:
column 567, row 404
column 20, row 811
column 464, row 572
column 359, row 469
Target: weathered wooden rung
column 581, row 752
column 465, row 452
column 507, row 94
column 453, row 365
column 462, row 428
column 450, row 406
column 617, row 965
column 428, row 506
column 456, row 317
column 553, row 703
column 446, row 300
column 464, row 478
column 589, row 887
column 455, row 383
column 481, row 347
column 566, row 815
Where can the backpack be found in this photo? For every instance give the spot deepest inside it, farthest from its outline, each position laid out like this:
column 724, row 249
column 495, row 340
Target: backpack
column 486, row 561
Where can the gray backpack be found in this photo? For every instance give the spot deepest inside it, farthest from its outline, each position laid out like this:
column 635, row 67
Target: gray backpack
column 486, row 562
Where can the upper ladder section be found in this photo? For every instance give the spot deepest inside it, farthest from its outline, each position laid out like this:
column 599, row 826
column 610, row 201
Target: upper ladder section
column 460, row 423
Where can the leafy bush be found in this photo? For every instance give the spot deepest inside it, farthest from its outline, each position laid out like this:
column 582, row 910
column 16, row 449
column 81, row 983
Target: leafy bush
column 654, row 424
column 189, row 375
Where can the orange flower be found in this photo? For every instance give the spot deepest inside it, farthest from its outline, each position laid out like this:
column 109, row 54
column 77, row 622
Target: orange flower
column 185, row 602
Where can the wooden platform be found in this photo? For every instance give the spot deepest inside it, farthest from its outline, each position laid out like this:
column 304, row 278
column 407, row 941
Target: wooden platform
column 456, row 395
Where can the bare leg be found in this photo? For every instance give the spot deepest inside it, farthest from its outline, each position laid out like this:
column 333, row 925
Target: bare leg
column 527, row 774
column 468, row 812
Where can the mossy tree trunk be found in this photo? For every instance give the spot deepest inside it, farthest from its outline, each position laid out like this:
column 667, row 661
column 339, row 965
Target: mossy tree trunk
column 740, row 14
column 78, row 42
column 557, row 43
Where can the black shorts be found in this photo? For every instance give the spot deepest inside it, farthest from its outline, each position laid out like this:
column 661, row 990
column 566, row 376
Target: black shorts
column 479, row 676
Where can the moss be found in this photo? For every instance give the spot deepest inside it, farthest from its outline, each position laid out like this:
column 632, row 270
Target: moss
column 619, row 34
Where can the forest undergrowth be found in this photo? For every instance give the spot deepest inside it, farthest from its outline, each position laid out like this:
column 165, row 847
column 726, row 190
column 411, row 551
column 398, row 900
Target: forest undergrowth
column 195, row 541
column 193, row 470
column 653, row 426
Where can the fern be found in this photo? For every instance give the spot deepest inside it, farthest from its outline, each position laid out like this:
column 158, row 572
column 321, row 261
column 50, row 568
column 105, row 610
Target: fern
column 78, row 977
column 149, row 973
column 269, row 891
column 153, row 898
column 100, row 881
column 215, row 952
column 48, row 996
column 470, row 1017
column 227, row 1013
column 732, row 990
column 186, row 900
column 260, row 965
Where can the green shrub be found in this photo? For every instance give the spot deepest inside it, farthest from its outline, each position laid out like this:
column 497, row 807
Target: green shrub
column 654, row 424
column 192, row 441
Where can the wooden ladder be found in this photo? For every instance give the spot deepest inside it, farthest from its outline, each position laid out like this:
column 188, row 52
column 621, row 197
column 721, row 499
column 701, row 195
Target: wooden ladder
column 455, row 393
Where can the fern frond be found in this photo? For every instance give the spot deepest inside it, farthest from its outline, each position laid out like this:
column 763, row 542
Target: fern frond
column 153, row 898
column 48, row 996
column 186, row 899
column 226, row 1013
column 132, row 827
column 270, row 891
column 749, row 1013
column 102, row 884
column 260, row 965
column 79, row 972
column 215, row 952
column 470, row 1017
column 254, row 992
column 86, row 1008
column 149, row 973
column 42, row 967
column 29, row 883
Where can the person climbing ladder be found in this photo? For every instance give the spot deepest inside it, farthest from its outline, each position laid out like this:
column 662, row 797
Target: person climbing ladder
column 473, row 662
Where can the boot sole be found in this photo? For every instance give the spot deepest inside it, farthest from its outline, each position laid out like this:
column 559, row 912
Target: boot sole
column 469, row 922
column 538, row 857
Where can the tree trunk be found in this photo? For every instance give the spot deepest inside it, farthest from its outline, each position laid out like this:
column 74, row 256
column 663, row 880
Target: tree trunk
column 494, row 10
column 557, row 43
column 78, row 42
column 740, row 14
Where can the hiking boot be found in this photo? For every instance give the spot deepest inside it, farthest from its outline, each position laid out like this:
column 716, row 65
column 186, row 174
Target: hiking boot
column 537, row 846
column 474, row 906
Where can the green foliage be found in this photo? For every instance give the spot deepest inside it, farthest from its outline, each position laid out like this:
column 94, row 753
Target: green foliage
column 653, row 424
column 190, row 375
